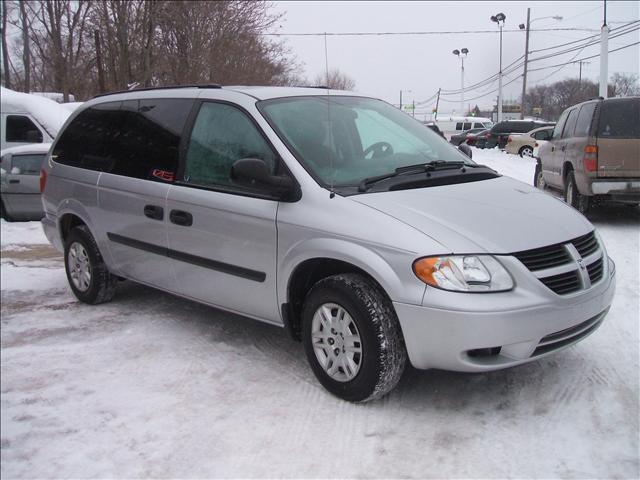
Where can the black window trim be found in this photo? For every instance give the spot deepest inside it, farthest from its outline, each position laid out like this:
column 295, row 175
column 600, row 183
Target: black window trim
column 281, row 165
column 33, row 121
column 564, row 127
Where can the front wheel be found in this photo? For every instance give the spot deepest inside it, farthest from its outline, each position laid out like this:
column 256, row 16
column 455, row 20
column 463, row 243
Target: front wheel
column 573, row 197
column 352, row 338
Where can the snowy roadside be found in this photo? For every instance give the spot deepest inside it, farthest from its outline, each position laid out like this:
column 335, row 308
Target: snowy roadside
column 151, row 385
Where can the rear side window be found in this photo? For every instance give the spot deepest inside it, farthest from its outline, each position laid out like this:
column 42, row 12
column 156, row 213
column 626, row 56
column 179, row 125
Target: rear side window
column 134, row 138
column 459, row 126
column 557, row 130
column 570, row 124
column 542, row 135
column 21, row 129
column 466, row 126
column 619, row 119
column 583, row 124
column 27, row 164
column 221, row 135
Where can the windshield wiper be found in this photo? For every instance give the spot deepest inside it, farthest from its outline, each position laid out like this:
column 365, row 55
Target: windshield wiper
column 412, row 169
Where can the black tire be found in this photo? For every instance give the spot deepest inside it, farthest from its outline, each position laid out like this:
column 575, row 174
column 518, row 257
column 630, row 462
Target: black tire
column 573, row 197
column 3, row 212
column 102, row 284
column 383, row 351
column 525, row 149
column 538, row 180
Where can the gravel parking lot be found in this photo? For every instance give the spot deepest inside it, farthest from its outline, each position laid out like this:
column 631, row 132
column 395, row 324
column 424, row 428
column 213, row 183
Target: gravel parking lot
column 151, row 385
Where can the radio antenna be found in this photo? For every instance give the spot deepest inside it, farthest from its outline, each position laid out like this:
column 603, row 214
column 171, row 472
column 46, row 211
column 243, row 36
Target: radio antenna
column 329, row 128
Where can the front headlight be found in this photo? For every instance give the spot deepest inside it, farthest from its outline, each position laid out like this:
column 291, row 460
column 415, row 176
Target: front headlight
column 463, row 273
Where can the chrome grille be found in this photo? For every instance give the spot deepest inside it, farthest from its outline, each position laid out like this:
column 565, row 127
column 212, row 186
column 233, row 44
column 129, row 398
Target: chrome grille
column 596, row 270
column 586, row 244
column 545, row 257
column 560, row 267
column 563, row 283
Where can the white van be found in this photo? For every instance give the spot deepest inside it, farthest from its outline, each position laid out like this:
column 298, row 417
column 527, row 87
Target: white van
column 452, row 125
column 29, row 119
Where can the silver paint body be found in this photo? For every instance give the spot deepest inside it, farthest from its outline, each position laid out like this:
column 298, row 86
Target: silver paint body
column 380, row 233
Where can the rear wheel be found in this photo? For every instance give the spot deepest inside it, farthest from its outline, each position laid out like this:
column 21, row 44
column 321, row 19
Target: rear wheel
column 526, row 151
column 538, row 178
column 352, row 338
column 573, row 197
column 88, row 276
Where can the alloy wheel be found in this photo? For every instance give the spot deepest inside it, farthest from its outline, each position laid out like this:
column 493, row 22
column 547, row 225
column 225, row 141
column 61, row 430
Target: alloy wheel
column 79, row 266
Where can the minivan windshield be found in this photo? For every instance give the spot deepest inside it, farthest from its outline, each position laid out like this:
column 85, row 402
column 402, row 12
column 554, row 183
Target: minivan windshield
column 344, row 140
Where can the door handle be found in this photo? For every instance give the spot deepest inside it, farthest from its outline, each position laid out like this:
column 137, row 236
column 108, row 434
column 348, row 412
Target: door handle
column 14, row 181
column 154, row 212
column 180, row 217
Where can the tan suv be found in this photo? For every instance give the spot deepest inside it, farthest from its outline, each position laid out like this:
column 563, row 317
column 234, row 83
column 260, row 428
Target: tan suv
column 594, row 153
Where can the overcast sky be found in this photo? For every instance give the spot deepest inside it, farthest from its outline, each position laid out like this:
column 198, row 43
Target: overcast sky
column 382, row 65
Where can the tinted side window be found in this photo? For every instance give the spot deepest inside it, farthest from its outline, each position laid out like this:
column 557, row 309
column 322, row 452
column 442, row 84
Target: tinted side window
column 557, row 130
column 221, row 135
column 459, row 126
column 571, row 123
column 583, row 125
column 27, row 164
column 133, row 138
column 619, row 119
column 22, row 129
column 466, row 126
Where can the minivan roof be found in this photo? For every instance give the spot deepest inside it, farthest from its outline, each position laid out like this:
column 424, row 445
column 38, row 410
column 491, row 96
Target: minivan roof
column 257, row 92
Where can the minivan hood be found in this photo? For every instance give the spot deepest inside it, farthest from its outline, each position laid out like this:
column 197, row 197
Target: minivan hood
column 500, row 215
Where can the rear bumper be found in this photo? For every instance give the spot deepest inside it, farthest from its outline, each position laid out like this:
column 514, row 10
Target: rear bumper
column 490, row 339
column 50, row 228
column 629, row 186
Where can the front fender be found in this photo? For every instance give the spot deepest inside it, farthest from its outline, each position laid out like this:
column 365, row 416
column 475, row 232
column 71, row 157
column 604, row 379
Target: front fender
column 389, row 267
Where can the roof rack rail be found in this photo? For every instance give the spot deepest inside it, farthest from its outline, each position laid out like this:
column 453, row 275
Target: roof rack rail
column 324, row 87
column 212, row 85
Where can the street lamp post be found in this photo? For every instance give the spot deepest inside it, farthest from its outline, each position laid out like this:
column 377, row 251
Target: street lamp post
column 406, row 91
column 499, row 19
column 461, row 54
column 526, row 54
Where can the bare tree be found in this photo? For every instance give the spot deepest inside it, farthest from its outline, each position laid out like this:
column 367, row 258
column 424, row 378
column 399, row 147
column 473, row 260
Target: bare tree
column 6, row 75
column 623, row 85
column 335, row 79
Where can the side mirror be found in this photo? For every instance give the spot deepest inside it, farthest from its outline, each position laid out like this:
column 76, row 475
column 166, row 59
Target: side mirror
column 33, row 136
column 254, row 173
column 466, row 149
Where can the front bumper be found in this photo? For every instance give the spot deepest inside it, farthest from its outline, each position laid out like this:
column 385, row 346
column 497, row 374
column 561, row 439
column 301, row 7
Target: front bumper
column 478, row 336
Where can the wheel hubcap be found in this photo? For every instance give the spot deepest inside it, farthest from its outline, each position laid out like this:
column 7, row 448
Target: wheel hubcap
column 79, row 266
column 336, row 342
column 527, row 152
column 541, row 183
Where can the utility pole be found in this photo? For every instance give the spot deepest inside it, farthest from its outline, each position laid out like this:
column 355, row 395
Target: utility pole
column 413, row 109
column 400, row 99
column 526, row 59
column 604, row 52
column 499, row 19
column 437, row 103
column 96, row 37
column 580, row 74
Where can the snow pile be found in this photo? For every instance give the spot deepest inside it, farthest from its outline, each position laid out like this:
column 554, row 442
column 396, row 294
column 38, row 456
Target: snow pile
column 515, row 166
column 47, row 112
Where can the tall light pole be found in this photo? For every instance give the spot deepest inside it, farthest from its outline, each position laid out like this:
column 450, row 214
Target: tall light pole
column 499, row 19
column 526, row 54
column 461, row 54
column 604, row 52
column 408, row 91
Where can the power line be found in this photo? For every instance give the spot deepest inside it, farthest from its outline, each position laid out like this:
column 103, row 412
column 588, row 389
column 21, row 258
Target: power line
column 584, row 39
column 444, row 32
column 585, row 58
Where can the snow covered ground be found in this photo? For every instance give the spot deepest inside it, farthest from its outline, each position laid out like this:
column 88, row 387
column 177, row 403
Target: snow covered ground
column 151, row 385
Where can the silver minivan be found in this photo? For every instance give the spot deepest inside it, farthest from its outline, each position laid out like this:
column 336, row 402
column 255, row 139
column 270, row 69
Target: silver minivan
column 335, row 216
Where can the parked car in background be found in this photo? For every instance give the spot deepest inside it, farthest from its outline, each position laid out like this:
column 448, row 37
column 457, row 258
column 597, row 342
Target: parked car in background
column 477, row 140
column 20, row 181
column 523, row 144
column 452, row 125
column 270, row 202
column 29, row 119
column 500, row 131
column 459, row 138
column 435, row 128
column 594, row 153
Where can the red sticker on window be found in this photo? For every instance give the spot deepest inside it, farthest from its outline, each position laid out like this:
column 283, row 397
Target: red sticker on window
column 163, row 175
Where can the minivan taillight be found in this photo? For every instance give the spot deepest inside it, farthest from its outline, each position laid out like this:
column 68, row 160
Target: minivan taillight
column 43, row 179
column 590, row 159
